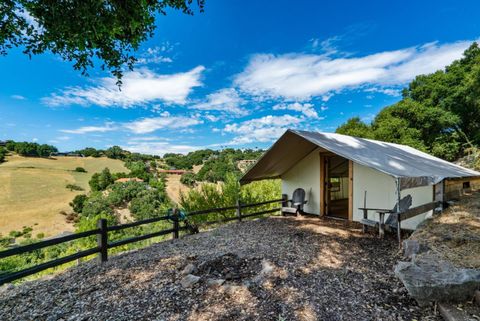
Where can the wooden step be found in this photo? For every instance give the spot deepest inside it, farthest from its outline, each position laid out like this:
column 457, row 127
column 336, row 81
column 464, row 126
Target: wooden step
column 366, row 221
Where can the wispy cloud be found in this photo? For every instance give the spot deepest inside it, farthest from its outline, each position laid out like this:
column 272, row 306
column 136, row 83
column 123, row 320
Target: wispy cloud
column 299, row 76
column 18, row 97
column 141, row 126
column 264, row 129
column 157, row 55
column 307, row 109
column 148, row 125
column 108, row 127
column 225, row 100
column 158, row 147
column 139, row 87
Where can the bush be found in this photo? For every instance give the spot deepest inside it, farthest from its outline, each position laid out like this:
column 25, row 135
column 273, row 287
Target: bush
column 3, row 153
column 73, row 187
column 188, row 179
column 95, row 205
column 226, row 194
column 80, row 170
column 77, row 203
column 100, row 181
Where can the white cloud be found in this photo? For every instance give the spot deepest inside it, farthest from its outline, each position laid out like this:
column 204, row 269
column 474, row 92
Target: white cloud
column 18, row 97
column 141, row 126
column 225, row 100
column 148, row 125
column 158, row 147
column 387, row 91
column 299, row 76
column 157, row 54
column 108, row 127
column 139, row 87
column 307, row 109
column 265, row 129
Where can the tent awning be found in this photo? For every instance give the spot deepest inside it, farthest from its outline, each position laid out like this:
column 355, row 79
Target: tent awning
column 411, row 166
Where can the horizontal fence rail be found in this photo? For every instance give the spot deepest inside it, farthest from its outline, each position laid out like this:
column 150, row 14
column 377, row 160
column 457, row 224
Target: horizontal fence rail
column 102, row 234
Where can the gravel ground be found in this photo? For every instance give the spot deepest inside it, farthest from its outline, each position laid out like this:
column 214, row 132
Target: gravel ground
column 274, row 269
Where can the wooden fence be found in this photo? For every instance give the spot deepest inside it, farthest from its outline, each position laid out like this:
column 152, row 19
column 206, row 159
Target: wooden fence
column 102, row 233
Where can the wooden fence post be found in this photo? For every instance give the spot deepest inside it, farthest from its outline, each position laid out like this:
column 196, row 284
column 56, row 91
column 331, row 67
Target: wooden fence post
column 102, row 240
column 239, row 211
column 284, row 202
column 176, row 225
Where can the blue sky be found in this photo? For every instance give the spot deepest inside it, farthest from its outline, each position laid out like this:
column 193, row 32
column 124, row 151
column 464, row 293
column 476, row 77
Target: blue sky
column 238, row 75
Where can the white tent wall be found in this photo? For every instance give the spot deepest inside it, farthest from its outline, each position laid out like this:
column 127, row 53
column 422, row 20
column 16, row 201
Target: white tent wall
column 382, row 193
column 305, row 174
column 420, row 195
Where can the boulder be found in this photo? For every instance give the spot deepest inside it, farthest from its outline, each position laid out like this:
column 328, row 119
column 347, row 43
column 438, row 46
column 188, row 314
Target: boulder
column 430, row 279
column 189, row 280
column 188, row 269
column 215, row 282
column 412, row 247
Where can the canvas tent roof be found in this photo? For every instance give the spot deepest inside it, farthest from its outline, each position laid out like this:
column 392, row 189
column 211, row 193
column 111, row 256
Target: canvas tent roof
column 411, row 166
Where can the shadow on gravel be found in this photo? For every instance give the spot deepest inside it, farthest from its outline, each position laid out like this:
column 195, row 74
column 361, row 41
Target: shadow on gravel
column 268, row 269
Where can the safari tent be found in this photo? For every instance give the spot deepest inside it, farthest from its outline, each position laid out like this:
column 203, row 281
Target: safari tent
column 341, row 174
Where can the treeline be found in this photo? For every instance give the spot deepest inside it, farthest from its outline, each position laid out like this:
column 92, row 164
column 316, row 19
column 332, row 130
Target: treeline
column 216, row 163
column 115, row 152
column 28, row 149
column 439, row 113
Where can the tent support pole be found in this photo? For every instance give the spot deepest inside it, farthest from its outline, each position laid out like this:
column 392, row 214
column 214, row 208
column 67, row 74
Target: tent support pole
column 399, row 224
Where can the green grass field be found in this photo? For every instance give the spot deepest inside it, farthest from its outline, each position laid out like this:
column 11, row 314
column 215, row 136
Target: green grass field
column 33, row 192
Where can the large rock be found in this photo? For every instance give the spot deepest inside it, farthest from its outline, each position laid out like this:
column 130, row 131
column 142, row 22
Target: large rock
column 430, row 279
column 189, row 280
column 189, row 269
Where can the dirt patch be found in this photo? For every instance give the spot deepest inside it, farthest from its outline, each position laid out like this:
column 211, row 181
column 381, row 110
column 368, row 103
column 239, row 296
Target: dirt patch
column 455, row 234
column 319, row 270
column 230, row 267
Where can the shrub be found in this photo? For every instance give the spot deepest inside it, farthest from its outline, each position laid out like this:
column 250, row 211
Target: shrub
column 188, row 179
column 80, row 170
column 77, row 203
column 73, row 187
column 100, row 181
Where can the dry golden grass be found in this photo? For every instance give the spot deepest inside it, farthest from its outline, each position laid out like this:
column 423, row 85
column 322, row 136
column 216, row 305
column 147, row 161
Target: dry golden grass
column 455, row 235
column 174, row 187
column 33, row 192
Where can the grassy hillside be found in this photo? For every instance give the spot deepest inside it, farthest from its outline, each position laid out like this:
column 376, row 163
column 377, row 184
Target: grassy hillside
column 33, row 190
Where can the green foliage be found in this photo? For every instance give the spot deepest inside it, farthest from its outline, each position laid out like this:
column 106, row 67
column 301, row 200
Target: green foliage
column 96, row 204
column 115, row 152
column 3, row 153
column 439, row 113
column 90, row 152
column 84, row 31
column 138, row 169
column 80, row 170
column 30, row 149
column 122, row 193
column 73, row 187
column 210, row 195
column 100, row 181
column 356, row 128
column 78, row 202
column 188, row 179
column 149, row 203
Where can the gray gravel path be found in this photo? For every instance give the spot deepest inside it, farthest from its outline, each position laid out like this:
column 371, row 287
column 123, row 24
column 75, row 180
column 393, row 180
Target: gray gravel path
column 275, row 269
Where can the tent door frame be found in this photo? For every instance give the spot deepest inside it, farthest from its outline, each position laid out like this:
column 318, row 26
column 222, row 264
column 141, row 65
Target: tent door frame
column 324, row 177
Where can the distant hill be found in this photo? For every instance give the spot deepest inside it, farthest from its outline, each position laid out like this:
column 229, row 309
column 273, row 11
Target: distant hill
column 33, row 190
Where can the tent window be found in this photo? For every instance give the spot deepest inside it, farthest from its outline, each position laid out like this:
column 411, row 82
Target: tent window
column 466, row 185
